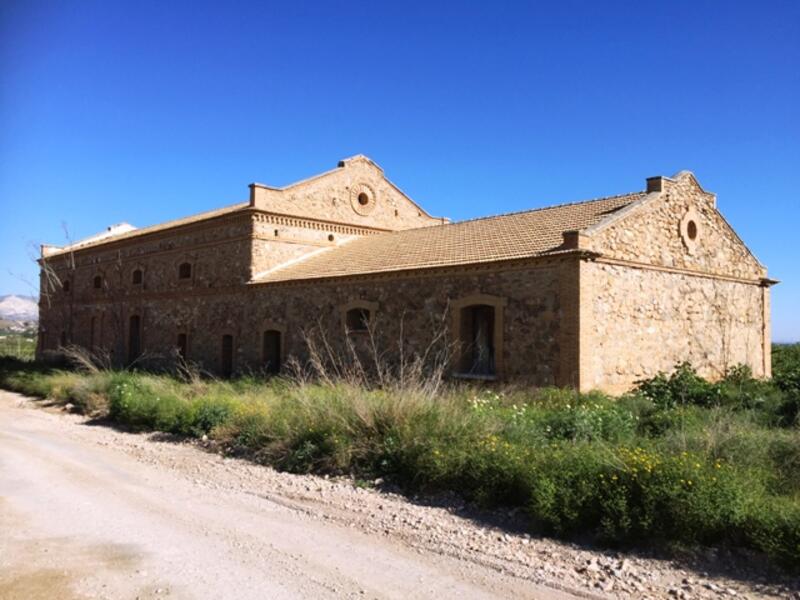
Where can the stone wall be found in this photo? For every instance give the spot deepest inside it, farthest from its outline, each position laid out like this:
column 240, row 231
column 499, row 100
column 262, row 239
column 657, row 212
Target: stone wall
column 662, row 281
column 656, row 234
column 674, row 283
column 280, row 238
column 356, row 193
column 536, row 338
column 643, row 321
column 218, row 252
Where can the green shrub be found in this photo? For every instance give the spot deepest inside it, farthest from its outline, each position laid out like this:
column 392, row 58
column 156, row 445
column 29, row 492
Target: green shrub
column 684, row 386
column 773, row 526
column 629, row 494
column 135, row 404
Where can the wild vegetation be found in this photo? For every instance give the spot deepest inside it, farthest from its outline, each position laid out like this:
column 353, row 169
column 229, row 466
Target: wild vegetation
column 679, row 461
column 17, row 344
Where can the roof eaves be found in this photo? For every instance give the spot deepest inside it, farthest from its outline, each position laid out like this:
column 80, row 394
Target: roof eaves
column 158, row 228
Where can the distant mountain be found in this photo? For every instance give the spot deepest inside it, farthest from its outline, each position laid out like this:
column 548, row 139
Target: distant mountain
column 19, row 308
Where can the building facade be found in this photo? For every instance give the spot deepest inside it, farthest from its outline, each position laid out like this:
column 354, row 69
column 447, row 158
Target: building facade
column 594, row 294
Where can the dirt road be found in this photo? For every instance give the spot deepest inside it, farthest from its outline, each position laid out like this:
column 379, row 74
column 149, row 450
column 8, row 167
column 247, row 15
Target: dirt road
column 83, row 518
column 90, row 512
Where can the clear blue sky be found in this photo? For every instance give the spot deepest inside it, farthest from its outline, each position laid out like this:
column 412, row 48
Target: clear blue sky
column 146, row 111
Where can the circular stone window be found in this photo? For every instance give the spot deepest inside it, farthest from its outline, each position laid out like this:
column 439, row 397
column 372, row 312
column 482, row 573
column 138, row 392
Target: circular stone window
column 362, row 198
column 690, row 230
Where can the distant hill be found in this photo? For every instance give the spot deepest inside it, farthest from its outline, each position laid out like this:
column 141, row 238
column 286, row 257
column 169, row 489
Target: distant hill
column 19, row 308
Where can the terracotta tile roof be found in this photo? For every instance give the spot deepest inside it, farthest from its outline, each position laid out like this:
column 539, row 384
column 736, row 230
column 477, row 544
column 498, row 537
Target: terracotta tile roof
column 489, row 239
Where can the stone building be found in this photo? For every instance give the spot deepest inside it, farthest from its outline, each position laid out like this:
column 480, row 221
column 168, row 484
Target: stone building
column 594, row 294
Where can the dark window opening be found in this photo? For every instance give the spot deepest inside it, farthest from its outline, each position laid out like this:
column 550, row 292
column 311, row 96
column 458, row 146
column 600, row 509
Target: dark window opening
column 183, row 346
column 272, row 351
column 98, row 282
column 330, row 237
column 136, row 278
column 477, row 340
column 691, row 230
column 134, row 338
column 363, row 199
column 185, row 271
column 226, row 364
column 65, row 287
column 357, row 319
column 63, row 342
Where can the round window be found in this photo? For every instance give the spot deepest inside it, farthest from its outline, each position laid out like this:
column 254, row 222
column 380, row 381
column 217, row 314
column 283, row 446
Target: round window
column 362, row 198
column 691, row 230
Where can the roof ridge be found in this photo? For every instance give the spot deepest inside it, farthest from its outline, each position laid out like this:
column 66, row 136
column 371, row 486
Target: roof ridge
column 541, row 208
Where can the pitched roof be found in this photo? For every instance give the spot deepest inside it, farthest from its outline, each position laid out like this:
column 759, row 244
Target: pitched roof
column 125, row 234
column 490, row 239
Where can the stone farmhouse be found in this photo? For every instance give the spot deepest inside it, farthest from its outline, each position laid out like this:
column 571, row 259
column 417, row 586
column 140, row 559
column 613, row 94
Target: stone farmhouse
column 594, row 294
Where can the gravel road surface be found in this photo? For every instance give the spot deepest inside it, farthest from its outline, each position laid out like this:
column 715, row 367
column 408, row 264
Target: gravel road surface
column 90, row 512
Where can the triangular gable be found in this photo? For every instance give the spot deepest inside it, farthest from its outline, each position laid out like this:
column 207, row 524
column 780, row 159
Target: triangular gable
column 675, row 225
column 357, row 192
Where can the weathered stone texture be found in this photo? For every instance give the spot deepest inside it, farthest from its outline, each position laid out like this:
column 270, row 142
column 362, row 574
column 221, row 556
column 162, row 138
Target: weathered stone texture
column 417, row 306
column 642, row 322
column 334, row 196
column 640, row 283
column 652, row 234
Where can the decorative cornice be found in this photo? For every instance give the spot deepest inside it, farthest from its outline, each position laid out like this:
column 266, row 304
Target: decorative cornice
column 263, row 216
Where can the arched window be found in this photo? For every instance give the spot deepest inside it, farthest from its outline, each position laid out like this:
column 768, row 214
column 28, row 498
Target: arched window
column 478, row 327
column 185, row 271
column 65, row 287
column 136, row 277
column 97, row 282
column 271, row 351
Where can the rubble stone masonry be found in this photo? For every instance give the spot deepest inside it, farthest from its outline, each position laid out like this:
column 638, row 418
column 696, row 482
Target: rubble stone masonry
column 659, row 280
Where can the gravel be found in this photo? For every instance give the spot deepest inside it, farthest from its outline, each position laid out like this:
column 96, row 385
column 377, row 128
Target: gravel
column 443, row 527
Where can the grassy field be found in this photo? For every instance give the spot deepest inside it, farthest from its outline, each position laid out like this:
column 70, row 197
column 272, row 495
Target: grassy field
column 17, row 345
column 680, row 462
